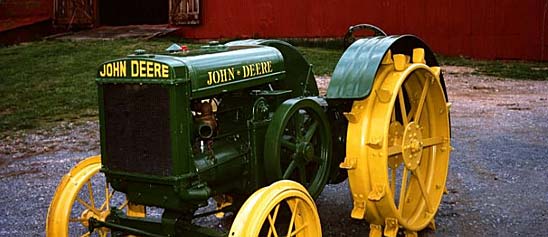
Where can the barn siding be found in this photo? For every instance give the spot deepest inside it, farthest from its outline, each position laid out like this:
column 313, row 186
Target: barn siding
column 24, row 20
column 493, row 29
column 25, row 8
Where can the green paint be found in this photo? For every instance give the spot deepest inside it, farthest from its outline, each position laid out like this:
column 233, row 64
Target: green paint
column 248, row 80
column 356, row 70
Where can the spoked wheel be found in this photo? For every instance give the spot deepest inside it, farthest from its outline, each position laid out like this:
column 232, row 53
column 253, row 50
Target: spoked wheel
column 298, row 145
column 399, row 139
column 83, row 194
column 282, row 209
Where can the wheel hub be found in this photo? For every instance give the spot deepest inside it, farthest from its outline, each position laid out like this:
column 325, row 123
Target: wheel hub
column 305, row 150
column 412, row 146
column 88, row 214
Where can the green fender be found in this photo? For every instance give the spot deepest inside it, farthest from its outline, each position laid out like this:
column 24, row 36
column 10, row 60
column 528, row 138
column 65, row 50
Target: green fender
column 356, row 70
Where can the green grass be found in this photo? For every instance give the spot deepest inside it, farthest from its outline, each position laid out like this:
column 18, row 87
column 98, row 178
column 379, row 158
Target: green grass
column 50, row 81
column 506, row 69
column 42, row 83
column 324, row 60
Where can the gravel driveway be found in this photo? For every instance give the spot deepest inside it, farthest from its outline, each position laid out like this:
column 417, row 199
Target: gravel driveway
column 498, row 181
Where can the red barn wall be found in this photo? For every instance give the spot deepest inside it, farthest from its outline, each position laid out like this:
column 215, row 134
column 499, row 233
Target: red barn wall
column 17, row 13
column 26, row 8
column 24, row 20
column 493, row 29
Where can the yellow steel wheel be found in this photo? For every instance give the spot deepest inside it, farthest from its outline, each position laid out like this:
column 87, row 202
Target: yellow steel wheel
column 282, row 209
column 398, row 146
column 82, row 194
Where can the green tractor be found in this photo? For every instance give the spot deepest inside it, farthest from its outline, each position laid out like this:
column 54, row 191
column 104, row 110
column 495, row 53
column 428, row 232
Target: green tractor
column 243, row 124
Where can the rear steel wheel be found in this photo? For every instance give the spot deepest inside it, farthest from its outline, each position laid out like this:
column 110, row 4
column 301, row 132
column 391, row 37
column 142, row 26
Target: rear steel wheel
column 83, row 194
column 298, row 145
column 398, row 146
column 282, row 209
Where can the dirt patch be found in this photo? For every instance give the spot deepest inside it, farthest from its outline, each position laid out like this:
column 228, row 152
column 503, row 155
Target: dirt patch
column 458, row 70
column 71, row 137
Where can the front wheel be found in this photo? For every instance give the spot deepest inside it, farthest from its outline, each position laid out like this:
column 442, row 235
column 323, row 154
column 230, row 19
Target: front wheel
column 282, row 209
column 84, row 194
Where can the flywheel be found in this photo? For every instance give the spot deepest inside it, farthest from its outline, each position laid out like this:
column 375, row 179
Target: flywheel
column 84, row 194
column 298, row 145
column 282, row 209
column 398, row 146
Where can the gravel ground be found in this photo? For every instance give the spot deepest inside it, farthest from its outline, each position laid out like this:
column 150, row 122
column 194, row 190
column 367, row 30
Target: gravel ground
column 497, row 183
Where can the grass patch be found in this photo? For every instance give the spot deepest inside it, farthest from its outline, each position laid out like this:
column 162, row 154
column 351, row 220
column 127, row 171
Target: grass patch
column 50, row 81
column 42, row 83
column 324, row 60
column 505, row 69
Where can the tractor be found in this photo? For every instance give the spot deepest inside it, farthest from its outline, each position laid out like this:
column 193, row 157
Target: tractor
column 242, row 126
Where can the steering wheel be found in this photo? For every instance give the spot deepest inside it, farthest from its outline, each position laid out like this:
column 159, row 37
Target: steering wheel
column 349, row 37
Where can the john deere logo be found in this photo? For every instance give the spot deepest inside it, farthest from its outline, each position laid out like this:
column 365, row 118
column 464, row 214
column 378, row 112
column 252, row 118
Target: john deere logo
column 136, row 69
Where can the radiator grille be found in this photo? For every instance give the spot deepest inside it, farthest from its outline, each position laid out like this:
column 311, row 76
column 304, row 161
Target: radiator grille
column 137, row 128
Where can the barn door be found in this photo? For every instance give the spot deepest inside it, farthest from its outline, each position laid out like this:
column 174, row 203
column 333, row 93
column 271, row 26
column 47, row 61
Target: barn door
column 79, row 13
column 184, row 12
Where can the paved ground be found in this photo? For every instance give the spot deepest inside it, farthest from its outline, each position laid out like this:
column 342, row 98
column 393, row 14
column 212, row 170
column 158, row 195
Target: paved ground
column 497, row 183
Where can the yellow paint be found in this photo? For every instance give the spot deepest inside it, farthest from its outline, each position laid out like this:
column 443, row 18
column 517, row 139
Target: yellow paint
column 135, row 210
column 65, row 199
column 137, row 69
column 414, row 146
column 223, row 75
column 262, row 208
column 113, row 69
column 257, row 69
column 220, row 76
column 134, row 66
column 57, row 222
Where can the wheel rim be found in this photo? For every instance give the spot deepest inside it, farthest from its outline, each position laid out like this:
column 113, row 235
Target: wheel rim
column 298, row 145
column 405, row 128
column 263, row 213
column 83, row 194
